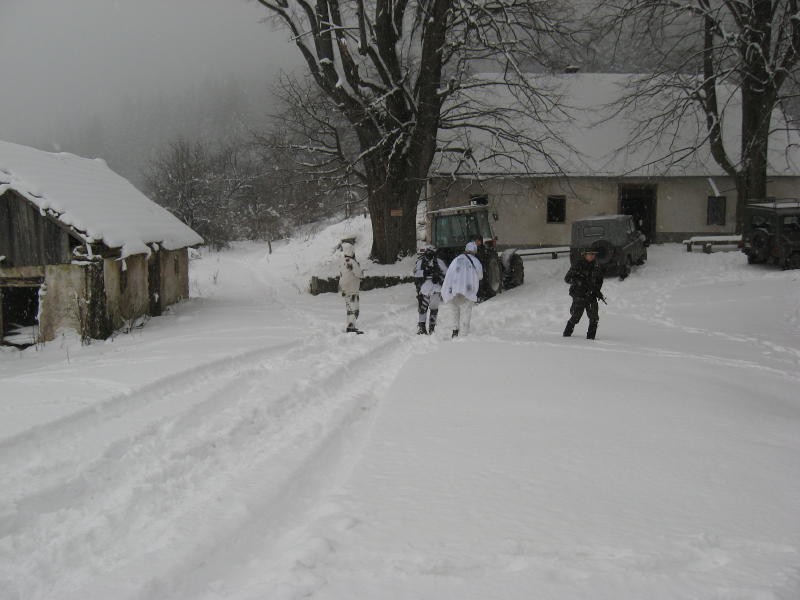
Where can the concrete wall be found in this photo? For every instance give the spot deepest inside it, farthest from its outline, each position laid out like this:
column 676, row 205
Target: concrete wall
column 126, row 295
column 65, row 303
column 521, row 204
column 65, row 306
column 174, row 276
column 95, row 299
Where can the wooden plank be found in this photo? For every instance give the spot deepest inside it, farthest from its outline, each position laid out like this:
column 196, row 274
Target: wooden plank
column 21, row 281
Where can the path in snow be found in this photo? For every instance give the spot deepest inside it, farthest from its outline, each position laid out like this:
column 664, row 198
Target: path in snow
column 258, row 452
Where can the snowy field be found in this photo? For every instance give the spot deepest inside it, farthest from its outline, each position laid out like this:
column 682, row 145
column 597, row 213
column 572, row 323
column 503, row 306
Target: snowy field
column 242, row 447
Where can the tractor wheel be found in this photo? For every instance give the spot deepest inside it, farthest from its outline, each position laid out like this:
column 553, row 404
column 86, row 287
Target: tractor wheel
column 515, row 274
column 492, row 282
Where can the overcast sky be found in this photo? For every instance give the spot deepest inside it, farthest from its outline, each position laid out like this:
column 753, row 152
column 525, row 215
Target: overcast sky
column 64, row 60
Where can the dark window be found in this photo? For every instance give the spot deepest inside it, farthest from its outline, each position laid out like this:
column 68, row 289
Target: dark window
column 556, row 209
column 716, row 210
column 594, row 231
column 479, row 200
column 791, row 224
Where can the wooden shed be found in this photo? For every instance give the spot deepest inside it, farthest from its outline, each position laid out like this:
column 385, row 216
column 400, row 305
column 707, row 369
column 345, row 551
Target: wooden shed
column 81, row 248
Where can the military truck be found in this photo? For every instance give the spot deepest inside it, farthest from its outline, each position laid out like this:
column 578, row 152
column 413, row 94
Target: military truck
column 452, row 228
column 771, row 233
column 619, row 245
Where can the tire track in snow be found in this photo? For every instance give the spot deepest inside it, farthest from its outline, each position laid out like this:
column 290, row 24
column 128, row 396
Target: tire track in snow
column 58, row 443
column 173, row 473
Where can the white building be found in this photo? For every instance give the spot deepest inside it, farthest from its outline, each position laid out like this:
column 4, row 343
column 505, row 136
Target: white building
column 671, row 193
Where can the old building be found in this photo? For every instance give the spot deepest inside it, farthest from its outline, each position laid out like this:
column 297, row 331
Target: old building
column 673, row 189
column 81, row 248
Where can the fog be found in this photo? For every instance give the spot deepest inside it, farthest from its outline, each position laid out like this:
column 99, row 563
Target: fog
column 77, row 75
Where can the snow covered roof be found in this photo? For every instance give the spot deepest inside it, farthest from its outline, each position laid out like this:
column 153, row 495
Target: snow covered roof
column 587, row 134
column 98, row 204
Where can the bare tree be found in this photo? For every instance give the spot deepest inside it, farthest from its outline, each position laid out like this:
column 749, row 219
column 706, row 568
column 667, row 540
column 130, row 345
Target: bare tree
column 731, row 59
column 315, row 151
column 214, row 191
column 390, row 66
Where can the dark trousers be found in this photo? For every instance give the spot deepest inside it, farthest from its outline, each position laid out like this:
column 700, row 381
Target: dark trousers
column 579, row 305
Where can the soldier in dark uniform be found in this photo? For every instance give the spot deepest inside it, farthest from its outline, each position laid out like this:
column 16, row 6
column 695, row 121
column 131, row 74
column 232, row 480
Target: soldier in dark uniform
column 585, row 278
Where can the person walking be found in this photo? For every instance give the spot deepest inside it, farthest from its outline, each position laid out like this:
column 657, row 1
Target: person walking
column 585, row 278
column 350, row 275
column 429, row 272
column 460, row 287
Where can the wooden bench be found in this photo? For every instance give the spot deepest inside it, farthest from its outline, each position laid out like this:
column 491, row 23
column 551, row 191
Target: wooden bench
column 552, row 252
column 709, row 241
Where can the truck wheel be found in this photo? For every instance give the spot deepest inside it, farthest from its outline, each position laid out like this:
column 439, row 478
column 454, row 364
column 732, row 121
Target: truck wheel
column 515, row 274
column 624, row 268
column 792, row 261
column 760, row 245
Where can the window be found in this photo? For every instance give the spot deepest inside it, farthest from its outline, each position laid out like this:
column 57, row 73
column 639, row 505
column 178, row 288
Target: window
column 594, row 231
column 791, row 224
column 458, row 229
column 556, row 209
column 716, row 210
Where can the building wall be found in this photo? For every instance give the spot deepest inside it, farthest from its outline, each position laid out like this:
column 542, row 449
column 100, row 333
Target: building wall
column 174, row 276
column 27, row 237
column 125, row 292
column 520, row 204
column 66, row 304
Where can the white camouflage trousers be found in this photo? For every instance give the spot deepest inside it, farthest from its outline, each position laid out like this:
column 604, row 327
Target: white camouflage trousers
column 426, row 303
column 461, row 308
column 351, row 305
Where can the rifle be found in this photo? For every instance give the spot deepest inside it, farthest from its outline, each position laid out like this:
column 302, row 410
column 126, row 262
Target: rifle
column 599, row 295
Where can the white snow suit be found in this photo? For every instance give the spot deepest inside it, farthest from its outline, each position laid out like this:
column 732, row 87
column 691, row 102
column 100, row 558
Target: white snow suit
column 460, row 289
column 350, row 275
column 430, row 271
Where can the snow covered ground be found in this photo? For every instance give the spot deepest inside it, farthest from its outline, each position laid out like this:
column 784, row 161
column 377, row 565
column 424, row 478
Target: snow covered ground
column 242, row 447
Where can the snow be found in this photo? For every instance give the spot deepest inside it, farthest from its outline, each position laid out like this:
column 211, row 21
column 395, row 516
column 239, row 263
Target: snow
column 242, row 447
column 89, row 197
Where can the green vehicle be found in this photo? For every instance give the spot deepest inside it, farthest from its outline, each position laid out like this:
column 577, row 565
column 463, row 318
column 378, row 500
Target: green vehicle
column 452, row 228
column 771, row 233
column 619, row 245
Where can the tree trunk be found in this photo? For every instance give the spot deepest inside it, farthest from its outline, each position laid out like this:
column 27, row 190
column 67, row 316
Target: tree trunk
column 751, row 182
column 393, row 210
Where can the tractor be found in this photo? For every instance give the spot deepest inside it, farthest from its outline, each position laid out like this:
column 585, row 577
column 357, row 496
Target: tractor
column 452, row 228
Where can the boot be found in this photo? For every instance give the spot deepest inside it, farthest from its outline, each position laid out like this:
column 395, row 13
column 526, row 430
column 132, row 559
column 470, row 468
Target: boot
column 568, row 329
column 455, row 333
column 353, row 329
column 432, row 321
column 421, row 329
column 590, row 333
